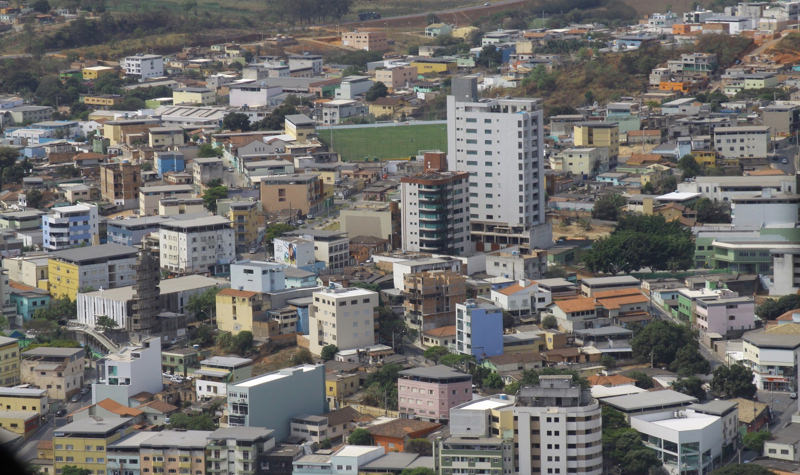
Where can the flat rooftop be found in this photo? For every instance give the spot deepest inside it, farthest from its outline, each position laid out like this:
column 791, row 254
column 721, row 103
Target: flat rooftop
column 266, row 378
column 94, row 253
column 650, row 400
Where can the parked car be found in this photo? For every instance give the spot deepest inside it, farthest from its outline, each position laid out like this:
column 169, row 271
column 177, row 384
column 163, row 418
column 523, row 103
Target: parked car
column 76, row 397
column 61, row 413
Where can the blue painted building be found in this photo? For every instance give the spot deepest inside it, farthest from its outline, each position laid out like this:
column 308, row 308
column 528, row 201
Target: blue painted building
column 169, row 162
column 28, row 300
column 479, row 329
column 70, row 226
column 129, row 232
column 302, row 304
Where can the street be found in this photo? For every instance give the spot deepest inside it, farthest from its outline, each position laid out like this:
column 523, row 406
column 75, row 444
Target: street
column 781, row 406
column 27, row 451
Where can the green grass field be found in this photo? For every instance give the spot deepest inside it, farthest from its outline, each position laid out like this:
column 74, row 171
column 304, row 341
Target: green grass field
column 401, row 141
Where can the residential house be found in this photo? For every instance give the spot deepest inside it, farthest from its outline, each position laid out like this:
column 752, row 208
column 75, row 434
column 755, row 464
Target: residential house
column 58, row 370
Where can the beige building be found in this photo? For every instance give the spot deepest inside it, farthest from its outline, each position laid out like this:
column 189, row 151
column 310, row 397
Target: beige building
column 119, row 184
column 199, row 96
column 373, row 218
column 179, row 206
column 598, row 134
column 588, row 161
column 162, row 137
column 431, row 298
column 344, row 317
column 9, row 361
column 297, row 193
column 398, row 77
column 29, row 270
column 58, row 370
column 365, row 40
column 149, row 196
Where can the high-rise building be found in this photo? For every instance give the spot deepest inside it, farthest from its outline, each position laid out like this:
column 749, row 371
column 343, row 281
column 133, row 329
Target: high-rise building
column 119, row 184
column 145, row 294
column 499, row 142
column 238, row 450
column 436, row 213
column 560, row 428
column 479, row 329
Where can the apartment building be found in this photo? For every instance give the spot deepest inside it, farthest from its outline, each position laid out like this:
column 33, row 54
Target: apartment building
column 9, row 361
column 82, row 443
column 273, row 399
column 559, row 428
column 58, row 370
column 245, row 217
column 522, row 299
column 365, row 40
column 212, row 379
column 728, row 188
column 24, row 399
column 479, row 329
column 196, row 245
column 585, row 162
column 238, row 450
column 163, row 137
column 294, row 252
column 149, row 196
column 301, row 194
column 105, row 266
column 772, row 354
column 330, row 247
column 238, row 310
column 144, row 66
column 431, row 298
column 131, row 231
column 337, row 110
column 70, row 226
column 375, row 219
column 436, row 213
column 129, row 371
column 429, row 393
column 344, row 317
column 207, row 169
column 120, row 183
column 499, row 142
column 173, row 451
column 598, row 134
column 517, row 262
column 750, row 141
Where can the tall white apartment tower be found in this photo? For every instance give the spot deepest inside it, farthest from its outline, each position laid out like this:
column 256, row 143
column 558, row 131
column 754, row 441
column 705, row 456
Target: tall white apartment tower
column 500, row 143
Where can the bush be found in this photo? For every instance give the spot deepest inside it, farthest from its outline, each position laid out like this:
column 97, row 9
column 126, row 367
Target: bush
column 328, row 352
column 360, row 437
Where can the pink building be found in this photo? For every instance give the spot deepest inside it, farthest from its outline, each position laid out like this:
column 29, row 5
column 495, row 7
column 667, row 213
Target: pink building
column 429, row 393
column 724, row 315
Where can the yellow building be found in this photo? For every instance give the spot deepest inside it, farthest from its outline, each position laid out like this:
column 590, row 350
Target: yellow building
column 245, row 218
column 194, row 95
column 298, row 126
column 598, row 134
column 236, row 310
column 102, row 100
column 338, row 387
column 428, row 66
column 83, row 442
column 24, row 399
column 9, row 361
column 22, row 423
column 94, row 72
column 706, row 158
column 104, row 266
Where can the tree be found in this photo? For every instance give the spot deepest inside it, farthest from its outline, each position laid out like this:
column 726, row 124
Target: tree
column 193, row 421
column 530, row 377
column 41, row 6
column 203, row 335
column 34, row 198
column 207, row 150
column 623, row 449
column 360, row 437
column 212, row 194
column 274, row 230
column 709, row 211
column 490, row 57
column 733, row 381
column 418, row 471
column 549, row 322
column 493, row 381
column 328, row 352
column 420, row 446
column 771, row 309
column 242, row 342
column 377, row 90
column 691, row 386
column 755, row 440
column 689, row 166
column 106, row 323
column 749, row 469
column 435, row 353
column 302, row 356
column 608, row 206
column 642, row 379
column 73, row 470
column 60, row 309
column 236, row 121
column 608, row 361
column 668, row 344
column 203, row 306
column 456, row 360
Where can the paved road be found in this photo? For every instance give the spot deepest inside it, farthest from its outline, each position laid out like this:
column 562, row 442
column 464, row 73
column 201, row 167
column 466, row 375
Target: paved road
column 782, row 407
column 491, row 6
column 712, row 357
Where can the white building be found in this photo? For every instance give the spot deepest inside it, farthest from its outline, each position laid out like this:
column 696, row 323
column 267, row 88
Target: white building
column 549, row 418
column 144, row 66
column 353, row 86
column 258, row 276
column 685, row 440
column 683, row 106
column 128, row 372
column 254, row 94
column 500, row 143
column 436, row 213
column 149, row 196
column 294, row 251
column 343, row 317
column 765, row 210
column 521, row 299
column 337, row 110
column 196, row 245
column 345, row 461
column 215, row 373
column 414, row 266
column 726, row 188
column 751, row 141
column 70, row 226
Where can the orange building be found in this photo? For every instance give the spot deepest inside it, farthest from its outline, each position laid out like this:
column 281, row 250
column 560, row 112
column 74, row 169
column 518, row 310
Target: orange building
column 393, row 435
column 675, row 86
